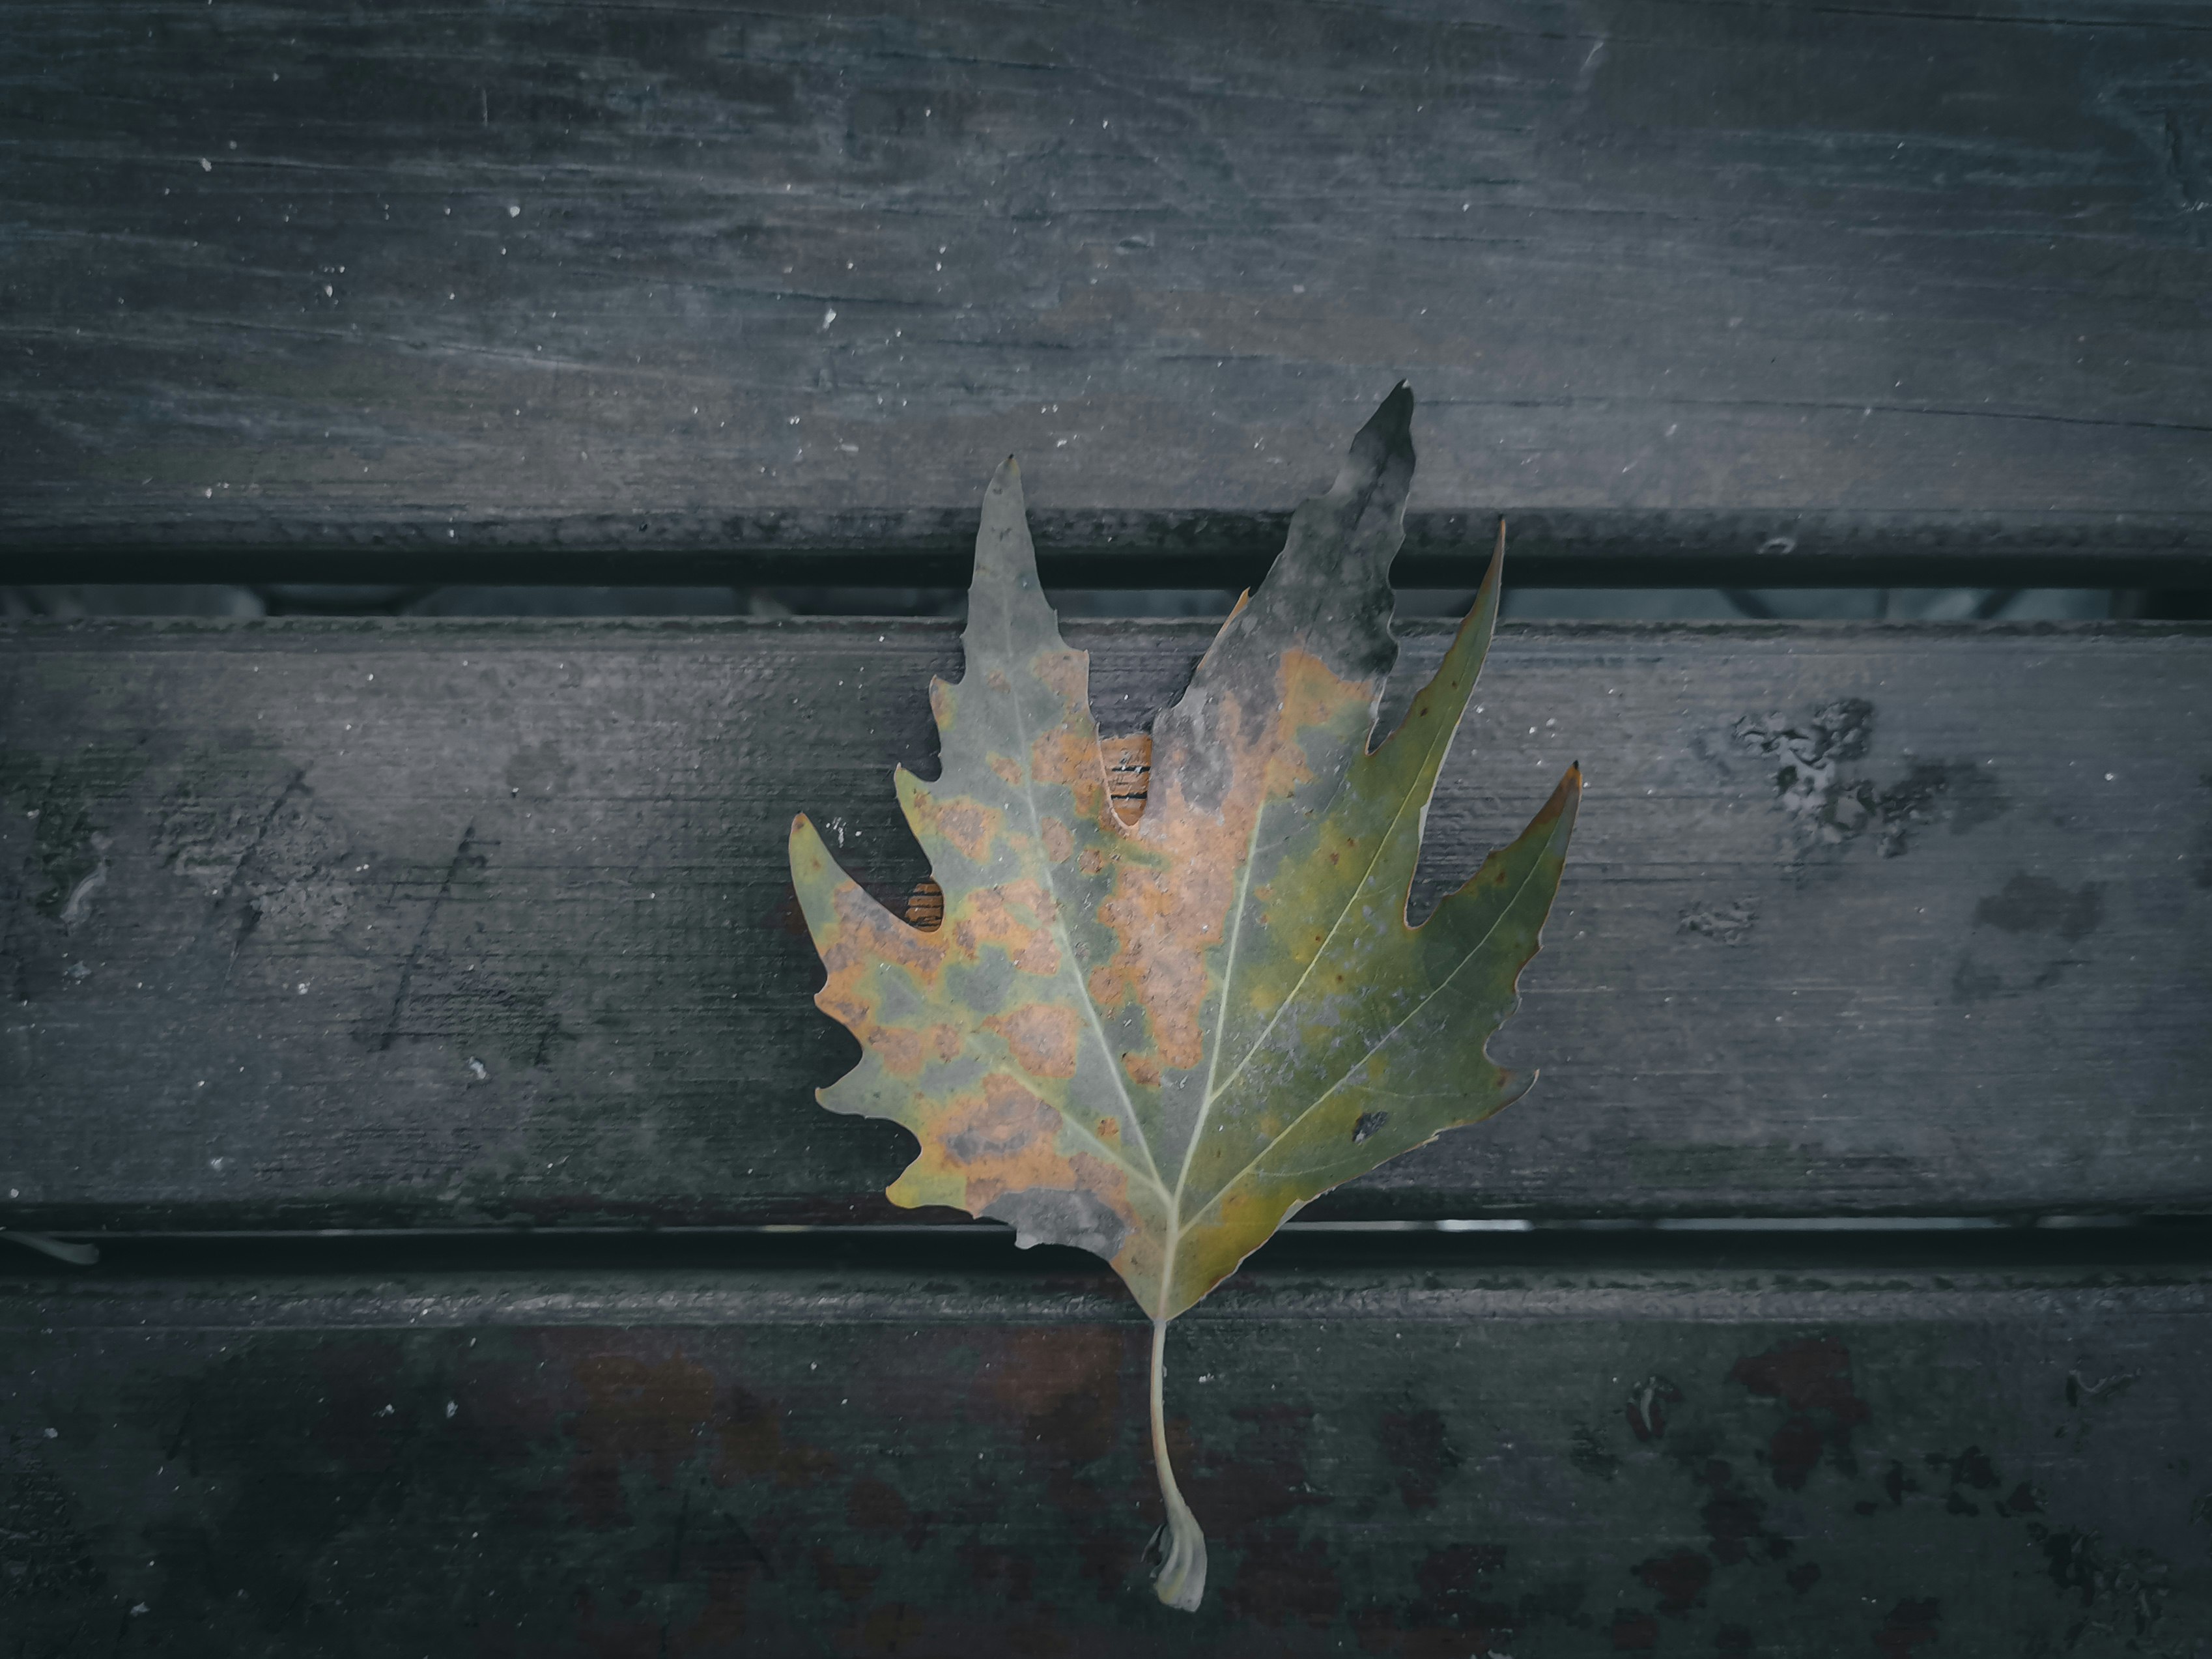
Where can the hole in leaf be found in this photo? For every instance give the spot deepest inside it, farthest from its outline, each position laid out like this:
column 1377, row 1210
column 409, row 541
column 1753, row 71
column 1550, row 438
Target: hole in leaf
column 1128, row 772
column 925, row 905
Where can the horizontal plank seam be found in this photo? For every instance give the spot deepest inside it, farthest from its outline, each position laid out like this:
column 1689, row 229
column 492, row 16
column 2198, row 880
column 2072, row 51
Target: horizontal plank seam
column 1891, row 1300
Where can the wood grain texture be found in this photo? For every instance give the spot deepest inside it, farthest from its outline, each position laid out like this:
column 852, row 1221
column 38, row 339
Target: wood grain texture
column 461, row 291
column 430, row 924
column 865, row 1461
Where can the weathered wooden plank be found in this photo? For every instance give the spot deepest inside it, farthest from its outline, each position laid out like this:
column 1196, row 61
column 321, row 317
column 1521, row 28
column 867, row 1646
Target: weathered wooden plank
column 1449, row 1460
column 356, row 286
column 429, row 924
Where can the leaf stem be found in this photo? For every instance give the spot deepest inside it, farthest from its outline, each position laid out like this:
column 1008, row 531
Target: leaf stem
column 1181, row 1580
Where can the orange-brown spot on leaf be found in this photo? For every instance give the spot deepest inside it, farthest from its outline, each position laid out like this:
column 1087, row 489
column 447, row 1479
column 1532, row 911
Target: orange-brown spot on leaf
column 1144, row 1070
column 1015, row 919
column 1006, row 1120
column 1042, row 1038
column 966, row 825
column 1311, row 695
column 1069, row 756
column 1009, row 773
column 1000, row 1140
column 866, row 944
column 902, row 1050
column 1067, row 673
column 868, row 934
column 1106, row 986
column 1059, row 841
column 1165, row 919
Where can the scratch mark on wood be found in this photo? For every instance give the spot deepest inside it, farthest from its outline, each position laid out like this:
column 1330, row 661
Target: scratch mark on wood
column 422, row 937
column 252, row 919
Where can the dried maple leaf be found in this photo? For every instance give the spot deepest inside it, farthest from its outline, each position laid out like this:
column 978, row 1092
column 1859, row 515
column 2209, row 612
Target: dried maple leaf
column 1155, row 1034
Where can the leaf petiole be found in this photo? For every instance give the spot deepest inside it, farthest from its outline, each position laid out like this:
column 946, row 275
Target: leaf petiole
column 1181, row 1580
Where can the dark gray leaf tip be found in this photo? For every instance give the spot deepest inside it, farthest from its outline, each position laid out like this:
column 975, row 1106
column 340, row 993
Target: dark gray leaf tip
column 1332, row 580
column 1388, row 436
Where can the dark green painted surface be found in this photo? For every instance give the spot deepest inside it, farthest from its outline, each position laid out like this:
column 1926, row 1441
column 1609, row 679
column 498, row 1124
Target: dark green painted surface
column 1440, row 1461
column 430, row 924
column 421, row 292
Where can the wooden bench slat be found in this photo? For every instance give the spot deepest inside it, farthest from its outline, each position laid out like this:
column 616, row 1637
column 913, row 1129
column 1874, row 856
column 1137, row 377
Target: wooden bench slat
column 1447, row 1460
column 354, row 287
column 437, row 924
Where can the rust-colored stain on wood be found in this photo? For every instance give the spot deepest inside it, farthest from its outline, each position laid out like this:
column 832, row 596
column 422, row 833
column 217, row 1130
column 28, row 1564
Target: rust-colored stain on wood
column 617, row 1485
